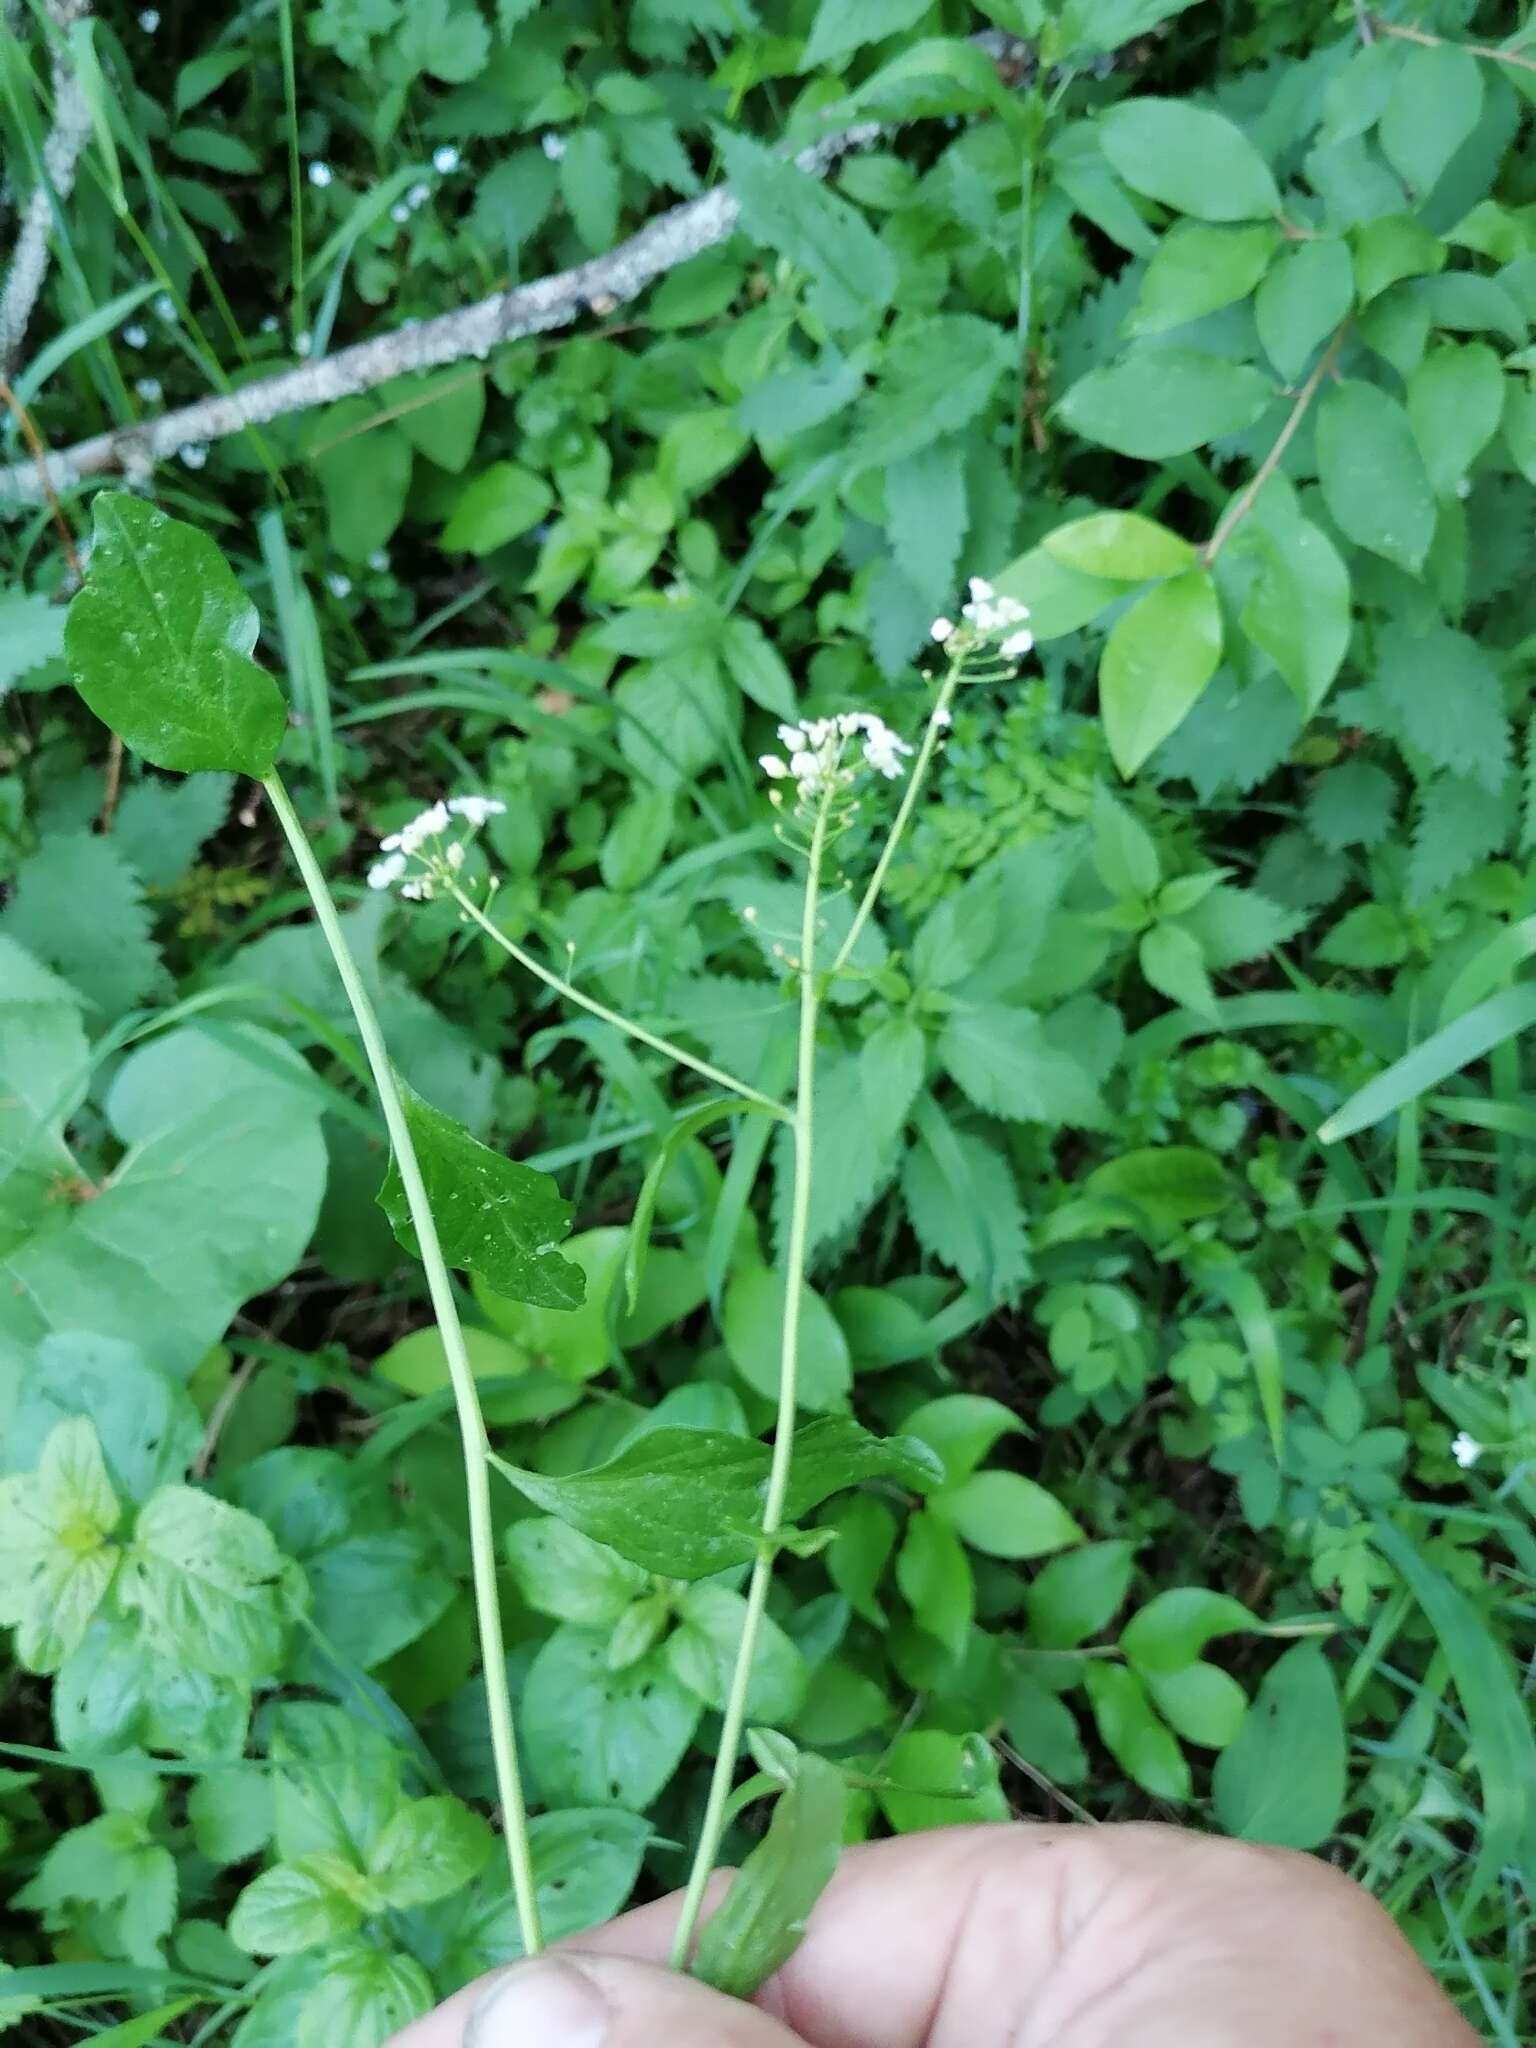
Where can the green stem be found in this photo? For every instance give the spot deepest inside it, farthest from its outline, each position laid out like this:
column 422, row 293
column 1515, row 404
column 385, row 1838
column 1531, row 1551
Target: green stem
column 937, row 722
column 712, row 1829
column 574, row 995
column 482, row 1542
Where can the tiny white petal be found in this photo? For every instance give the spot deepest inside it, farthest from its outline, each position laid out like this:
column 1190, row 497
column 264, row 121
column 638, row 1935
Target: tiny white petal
column 320, row 174
column 399, row 213
column 553, row 146
column 445, row 160
column 791, row 737
column 980, row 589
column 942, row 630
column 149, row 389
column 476, row 809
column 384, row 872
column 943, row 716
column 456, row 855
column 379, row 560
column 1466, row 1449
column 338, row 585
column 135, row 336
column 418, row 195
column 1017, row 645
column 149, row 20
column 269, row 323
column 772, row 767
column 164, row 306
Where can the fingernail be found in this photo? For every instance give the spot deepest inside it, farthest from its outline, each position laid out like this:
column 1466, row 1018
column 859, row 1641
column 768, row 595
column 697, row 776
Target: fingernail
column 546, row 2003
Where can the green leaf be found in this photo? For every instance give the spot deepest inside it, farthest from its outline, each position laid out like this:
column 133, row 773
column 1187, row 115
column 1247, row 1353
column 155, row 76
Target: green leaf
column 1175, row 1626
column 1455, row 404
column 160, row 825
column 1458, row 825
column 600, row 1737
column 1137, row 1740
column 1174, row 963
column 429, row 1848
column 756, row 666
column 308, row 1903
column 1372, row 475
column 1435, row 104
column 364, row 1995
column 364, row 464
column 1370, row 935
column 1197, row 269
column 1201, row 1703
column 1282, row 1778
column 1059, row 598
column 159, row 640
column 701, row 1654
column 1121, row 546
column 753, row 1324
column 503, row 501
column 213, row 1201
column 496, row 1217
column 591, row 186
column 1470, row 1037
column 687, row 1503
column 1123, row 853
column 56, row 1560
column 960, row 1429
column 77, row 906
column 926, row 517
column 439, row 416
column 1008, row 1066
column 1297, row 608
column 964, row 1206
column 1157, row 660
column 1171, row 1184
column 853, row 274
column 1445, row 698
column 31, row 635
column 1189, row 158
column 1391, row 248
column 147, row 1425
column 845, row 25
column 936, row 1581
column 930, row 1778
column 1076, row 1596
column 1165, row 401
column 890, row 1067
column 1304, row 296
column 762, row 1919
column 1003, row 1514
column 208, row 1584
column 561, row 1572
column 936, row 375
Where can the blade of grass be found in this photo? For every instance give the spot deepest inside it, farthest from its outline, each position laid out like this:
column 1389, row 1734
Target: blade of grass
column 1444, row 1053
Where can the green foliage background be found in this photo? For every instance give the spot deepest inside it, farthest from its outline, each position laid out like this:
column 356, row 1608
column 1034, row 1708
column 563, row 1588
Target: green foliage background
column 1209, row 336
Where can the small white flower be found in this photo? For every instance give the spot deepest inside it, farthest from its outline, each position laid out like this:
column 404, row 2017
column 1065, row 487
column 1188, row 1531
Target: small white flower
column 386, row 871
column 456, row 855
column 791, row 738
column 1017, row 645
column 399, row 213
column 149, row 389
column 445, row 160
column 418, row 195
column 379, row 560
column 981, row 590
column 425, row 825
column 193, row 453
column 338, row 585
column 941, row 629
column 164, row 306
column 320, row 174
column 149, row 20
column 1466, row 1450
column 418, row 891
column 943, row 716
column 270, row 323
column 303, row 343
column 476, row 809
column 772, row 767
column 135, row 336
column 553, row 145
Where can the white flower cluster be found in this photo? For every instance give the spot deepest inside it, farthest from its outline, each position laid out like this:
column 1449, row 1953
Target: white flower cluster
column 815, row 750
column 1466, row 1450
column 415, row 850
column 985, row 618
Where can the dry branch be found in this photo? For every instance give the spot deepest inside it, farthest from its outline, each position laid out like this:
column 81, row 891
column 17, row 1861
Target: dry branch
column 61, row 154
column 548, row 302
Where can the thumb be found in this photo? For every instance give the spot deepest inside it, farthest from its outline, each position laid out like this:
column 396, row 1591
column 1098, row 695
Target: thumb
column 592, row 2001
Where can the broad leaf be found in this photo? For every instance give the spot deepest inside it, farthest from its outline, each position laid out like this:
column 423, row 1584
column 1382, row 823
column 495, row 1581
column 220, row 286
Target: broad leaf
column 1189, row 158
column 429, row 1848
column 56, row 1559
column 160, row 642
column 687, row 1503
column 1157, row 660
column 600, row 1737
column 1165, row 401
column 208, row 1584
column 762, row 1919
column 495, row 1217
column 1373, row 477
column 853, row 274
column 292, row 1906
column 1282, row 1779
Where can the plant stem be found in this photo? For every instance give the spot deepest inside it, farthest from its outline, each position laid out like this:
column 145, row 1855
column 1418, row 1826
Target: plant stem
column 937, row 722
column 713, row 1826
column 477, row 1486
column 574, row 995
column 1243, row 504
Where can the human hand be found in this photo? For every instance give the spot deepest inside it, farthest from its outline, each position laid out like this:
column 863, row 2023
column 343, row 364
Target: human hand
column 1032, row 1936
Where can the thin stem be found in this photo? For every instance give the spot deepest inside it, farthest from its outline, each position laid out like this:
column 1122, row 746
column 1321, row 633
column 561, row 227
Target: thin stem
column 482, row 1543
column 1243, row 504
column 1432, row 42
column 937, row 723
column 574, row 995
column 713, row 1827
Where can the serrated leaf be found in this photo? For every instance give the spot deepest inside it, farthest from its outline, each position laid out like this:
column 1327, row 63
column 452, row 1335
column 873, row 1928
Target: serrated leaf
column 936, row 376
column 762, row 1918
column 1445, row 699
column 1233, row 925
column 1174, row 963
column 1158, row 658
column 926, row 518
column 78, row 906
column 687, row 1503
column 1005, row 1062
column 853, row 274
column 1352, row 805
column 31, row 634
column 842, row 26
column 160, row 825
column 160, row 639
column 964, row 1206
column 1459, row 824
column 56, row 1562
column 496, row 1218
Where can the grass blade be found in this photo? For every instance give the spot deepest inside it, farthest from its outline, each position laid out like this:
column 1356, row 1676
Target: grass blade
column 1445, row 1052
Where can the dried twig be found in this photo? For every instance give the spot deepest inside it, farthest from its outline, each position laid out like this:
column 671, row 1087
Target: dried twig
column 1490, row 51
column 548, row 302
column 61, row 154
column 1243, row 504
